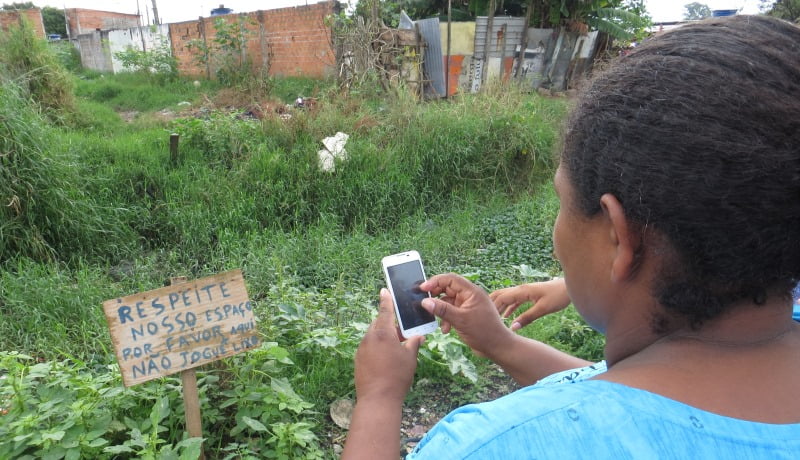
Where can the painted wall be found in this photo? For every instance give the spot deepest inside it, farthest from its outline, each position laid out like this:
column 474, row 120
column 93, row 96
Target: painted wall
column 149, row 37
column 551, row 60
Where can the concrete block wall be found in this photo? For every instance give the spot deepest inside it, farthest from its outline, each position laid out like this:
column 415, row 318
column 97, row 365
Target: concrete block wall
column 34, row 16
column 95, row 52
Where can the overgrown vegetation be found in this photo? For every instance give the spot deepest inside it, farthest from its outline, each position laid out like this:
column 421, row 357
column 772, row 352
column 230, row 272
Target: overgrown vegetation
column 223, row 57
column 784, row 9
column 96, row 209
column 157, row 63
column 32, row 64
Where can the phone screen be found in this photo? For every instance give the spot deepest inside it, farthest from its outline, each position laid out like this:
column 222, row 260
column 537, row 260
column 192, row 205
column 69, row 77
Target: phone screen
column 405, row 279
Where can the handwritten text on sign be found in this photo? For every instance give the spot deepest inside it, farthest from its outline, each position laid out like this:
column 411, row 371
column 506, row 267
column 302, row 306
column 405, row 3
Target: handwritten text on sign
column 167, row 330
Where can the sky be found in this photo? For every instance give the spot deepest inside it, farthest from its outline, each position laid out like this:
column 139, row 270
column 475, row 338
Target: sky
column 178, row 11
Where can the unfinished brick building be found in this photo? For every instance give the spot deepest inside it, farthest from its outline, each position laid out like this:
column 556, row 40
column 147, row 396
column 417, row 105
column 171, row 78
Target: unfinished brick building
column 34, row 16
column 82, row 21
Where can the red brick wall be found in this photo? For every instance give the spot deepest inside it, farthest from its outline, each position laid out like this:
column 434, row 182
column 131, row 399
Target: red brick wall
column 11, row 18
column 82, row 21
column 289, row 41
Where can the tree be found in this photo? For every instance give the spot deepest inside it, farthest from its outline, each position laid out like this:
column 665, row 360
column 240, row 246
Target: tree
column 18, row 6
column 622, row 19
column 695, row 11
column 784, row 9
column 54, row 22
column 53, row 18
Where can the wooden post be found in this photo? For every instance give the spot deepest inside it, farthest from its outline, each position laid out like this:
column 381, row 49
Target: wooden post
column 524, row 45
column 489, row 26
column 191, row 406
column 173, row 148
column 421, row 51
column 447, row 63
column 504, row 34
column 191, row 396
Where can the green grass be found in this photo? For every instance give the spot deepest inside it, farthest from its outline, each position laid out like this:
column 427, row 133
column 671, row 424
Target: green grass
column 289, row 89
column 465, row 182
column 133, row 91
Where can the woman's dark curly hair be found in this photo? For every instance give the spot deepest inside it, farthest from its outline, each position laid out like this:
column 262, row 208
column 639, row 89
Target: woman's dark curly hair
column 697, row 134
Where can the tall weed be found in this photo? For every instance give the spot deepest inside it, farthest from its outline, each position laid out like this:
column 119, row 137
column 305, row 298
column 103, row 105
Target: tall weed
column 402, row 157
column 46, row 213
column 29, row 60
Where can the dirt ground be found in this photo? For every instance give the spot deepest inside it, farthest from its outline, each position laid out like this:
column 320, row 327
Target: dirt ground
column 421, row 413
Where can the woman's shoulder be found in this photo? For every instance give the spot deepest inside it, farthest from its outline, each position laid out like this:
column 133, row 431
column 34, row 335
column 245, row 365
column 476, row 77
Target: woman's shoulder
column 599, row 419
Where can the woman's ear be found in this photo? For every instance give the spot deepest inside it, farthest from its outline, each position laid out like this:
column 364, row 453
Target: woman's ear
column 623, row 266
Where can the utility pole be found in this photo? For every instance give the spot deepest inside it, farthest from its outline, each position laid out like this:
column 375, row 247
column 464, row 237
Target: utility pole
column 155, row 14
column 66, row 21
column 141, row 31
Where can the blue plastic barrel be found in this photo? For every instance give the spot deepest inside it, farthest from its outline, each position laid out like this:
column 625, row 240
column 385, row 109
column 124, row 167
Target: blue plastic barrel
column 722, row 13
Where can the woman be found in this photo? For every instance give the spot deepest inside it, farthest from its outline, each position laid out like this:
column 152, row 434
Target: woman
column 679, row 184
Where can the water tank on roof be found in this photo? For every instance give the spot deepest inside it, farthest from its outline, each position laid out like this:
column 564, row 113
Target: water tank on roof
column 221, row 10
column 721, row 13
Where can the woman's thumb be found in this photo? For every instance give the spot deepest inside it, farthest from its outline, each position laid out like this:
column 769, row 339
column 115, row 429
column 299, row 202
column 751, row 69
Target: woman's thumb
column 437, row 307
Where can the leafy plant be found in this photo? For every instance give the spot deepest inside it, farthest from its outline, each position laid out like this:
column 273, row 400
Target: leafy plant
column 157, row 62
column 225, row 55
column 51, row 411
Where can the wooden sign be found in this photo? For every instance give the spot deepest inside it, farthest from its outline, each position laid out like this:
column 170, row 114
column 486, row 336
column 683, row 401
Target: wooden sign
column 179, row 327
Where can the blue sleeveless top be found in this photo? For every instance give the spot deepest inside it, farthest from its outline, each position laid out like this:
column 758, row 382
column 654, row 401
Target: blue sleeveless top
column 565, row 416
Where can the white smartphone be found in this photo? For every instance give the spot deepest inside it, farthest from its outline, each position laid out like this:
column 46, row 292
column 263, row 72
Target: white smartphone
column 404, row 274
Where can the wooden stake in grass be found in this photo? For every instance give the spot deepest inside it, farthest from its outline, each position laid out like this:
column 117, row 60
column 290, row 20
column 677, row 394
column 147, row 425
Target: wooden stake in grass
column 191, row 396
column 173, row 148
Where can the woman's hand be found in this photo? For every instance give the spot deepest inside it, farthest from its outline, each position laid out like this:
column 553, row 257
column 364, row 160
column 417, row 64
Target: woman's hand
column 384, row 371
column 547, row 297
column 472, row 313
column 384, row 365
column 468, row 309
